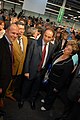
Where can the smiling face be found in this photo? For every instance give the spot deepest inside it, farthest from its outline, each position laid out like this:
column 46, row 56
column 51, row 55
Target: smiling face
column 68, row 50
column 48, row 36
column 1, row 25
column 21, row 29
column 12, row 32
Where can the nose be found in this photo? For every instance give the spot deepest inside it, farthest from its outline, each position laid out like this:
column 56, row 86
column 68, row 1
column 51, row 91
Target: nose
column 46, row 38
column 16, row 35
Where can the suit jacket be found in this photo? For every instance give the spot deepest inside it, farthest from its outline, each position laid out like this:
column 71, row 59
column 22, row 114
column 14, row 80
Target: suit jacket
column 34, row 55
column 5, row 64
column 59, row 44
column 19, row 56
column 74, row 89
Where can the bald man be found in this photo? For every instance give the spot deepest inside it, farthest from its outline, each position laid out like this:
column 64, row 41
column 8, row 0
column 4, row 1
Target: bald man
column 11, row 35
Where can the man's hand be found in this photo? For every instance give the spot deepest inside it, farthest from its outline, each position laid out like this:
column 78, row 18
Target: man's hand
column 26, row 75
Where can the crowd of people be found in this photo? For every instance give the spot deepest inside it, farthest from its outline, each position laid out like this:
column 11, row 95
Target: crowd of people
column 34, row 53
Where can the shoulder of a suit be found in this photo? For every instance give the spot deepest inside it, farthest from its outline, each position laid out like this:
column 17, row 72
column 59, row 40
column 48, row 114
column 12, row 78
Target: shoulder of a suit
column 24, row 37
column 3, row 39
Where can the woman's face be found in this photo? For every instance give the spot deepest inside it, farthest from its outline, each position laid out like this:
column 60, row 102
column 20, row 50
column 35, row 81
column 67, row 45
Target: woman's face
column 65, row 36
column 58, row 35
column 68, row 50
column 1, row 26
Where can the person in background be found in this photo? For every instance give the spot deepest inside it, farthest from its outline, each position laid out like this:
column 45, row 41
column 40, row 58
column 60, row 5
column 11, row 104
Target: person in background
column 32, row 34
column 40, row 31
column 72, row 108
column 62, row 43
column 2, row 31
column 74, row 97
column 58, row 37
column 13, row 20
column 70, row 31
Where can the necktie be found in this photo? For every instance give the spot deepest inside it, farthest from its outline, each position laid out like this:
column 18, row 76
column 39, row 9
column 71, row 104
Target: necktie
column 43, row 56
column 12, row 56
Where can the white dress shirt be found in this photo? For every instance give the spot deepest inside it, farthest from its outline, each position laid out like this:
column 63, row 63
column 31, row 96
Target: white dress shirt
column 21, row 43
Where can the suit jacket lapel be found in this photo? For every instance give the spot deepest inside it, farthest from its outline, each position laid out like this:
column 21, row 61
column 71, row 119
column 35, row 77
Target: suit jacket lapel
column 24, row 45
column 17, row 47
column 39, row 45
column 49, row 51
column 7, row 46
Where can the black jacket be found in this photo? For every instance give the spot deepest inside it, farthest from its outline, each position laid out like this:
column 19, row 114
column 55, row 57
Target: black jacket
column 5, row 64
column 60, row 71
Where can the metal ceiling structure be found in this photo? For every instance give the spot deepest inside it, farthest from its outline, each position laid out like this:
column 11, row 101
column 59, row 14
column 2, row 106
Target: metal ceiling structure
column 72, row 8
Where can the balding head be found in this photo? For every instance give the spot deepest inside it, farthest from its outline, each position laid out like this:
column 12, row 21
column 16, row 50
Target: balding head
column 12, row 32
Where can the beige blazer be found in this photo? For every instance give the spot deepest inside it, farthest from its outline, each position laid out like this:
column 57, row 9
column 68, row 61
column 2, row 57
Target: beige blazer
column 19, row 56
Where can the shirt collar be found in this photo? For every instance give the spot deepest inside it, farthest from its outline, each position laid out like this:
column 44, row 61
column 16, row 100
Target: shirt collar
column 8, row 40
column 43, row 43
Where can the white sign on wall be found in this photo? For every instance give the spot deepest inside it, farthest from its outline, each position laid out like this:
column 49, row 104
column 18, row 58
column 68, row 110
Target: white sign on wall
column 37, row 6
column 0, row 4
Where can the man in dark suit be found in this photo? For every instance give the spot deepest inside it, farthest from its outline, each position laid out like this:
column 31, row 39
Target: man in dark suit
column 32, row 71
column 11, row 34
column 72, row 106
column 63, row 41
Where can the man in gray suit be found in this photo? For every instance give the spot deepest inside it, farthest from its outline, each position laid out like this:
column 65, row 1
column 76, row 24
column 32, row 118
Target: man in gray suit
column 31, row 68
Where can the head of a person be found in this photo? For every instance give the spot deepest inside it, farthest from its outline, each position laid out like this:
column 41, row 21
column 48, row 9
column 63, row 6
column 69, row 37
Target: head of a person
column 12, row 32
column 65, row 35
column 40, row 30
column 13, row 20
column 21, row 27
column 48, row 35
column 71, row 29
column 29, row 22
column 1, row 25
column 58, row 29
column 23, row 21
column 71, row 47
column 33, row 32
column 58, row 36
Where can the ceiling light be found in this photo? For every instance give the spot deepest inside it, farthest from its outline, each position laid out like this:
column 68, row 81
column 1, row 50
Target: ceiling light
column 78, row 11
column 75, row 17
column 21, row 1
column 52, row 9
